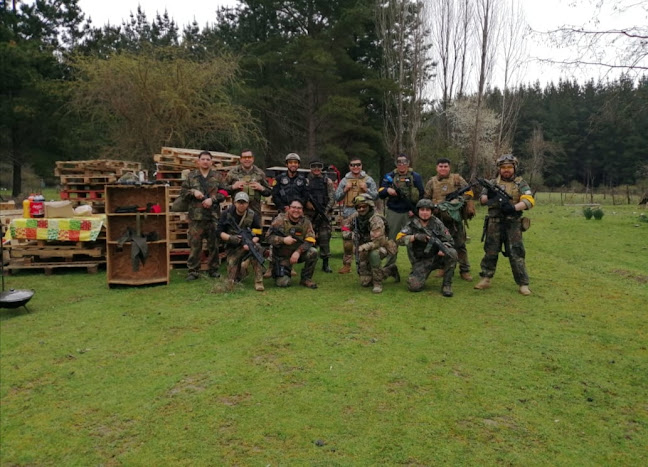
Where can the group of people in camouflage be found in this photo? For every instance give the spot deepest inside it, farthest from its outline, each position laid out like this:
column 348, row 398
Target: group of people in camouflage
column 429, row 220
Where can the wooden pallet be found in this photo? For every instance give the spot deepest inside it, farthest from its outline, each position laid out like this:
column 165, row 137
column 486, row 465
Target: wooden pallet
column 83, row 195
column 48, row 267
column 85, row 179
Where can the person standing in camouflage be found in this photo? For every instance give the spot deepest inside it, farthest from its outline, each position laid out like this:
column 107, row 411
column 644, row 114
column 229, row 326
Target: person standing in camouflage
column 503, row 225
column 290, row 184
column 203, row 191
column 452, row 213
column 416, row 236
column 293, row 241
column 236, row 218
column 356, row 182
column 320, row 198
column 248, row 178
column 370, row 236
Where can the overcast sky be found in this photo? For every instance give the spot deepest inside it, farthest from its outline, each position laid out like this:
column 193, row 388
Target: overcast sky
column 542, row 15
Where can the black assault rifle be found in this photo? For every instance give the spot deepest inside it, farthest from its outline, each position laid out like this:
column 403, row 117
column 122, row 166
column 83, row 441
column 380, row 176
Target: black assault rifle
column 319, row 210
column 433, row 242
column 457, row 193
column 246, row 239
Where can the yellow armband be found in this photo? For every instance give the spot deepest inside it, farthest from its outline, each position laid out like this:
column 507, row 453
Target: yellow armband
column 310, row 240
column 257, row 231
column 400, row 235
column 528, row 198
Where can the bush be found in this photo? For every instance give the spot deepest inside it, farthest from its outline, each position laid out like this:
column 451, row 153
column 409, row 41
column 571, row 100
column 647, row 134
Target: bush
column 587, row 212
column 643, row 217
column 598, row 214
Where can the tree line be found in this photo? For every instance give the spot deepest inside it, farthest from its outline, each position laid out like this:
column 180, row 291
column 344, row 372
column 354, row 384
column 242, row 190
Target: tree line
column 327, row 79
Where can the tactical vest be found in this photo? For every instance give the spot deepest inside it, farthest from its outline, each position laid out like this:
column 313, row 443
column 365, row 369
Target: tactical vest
column 291, row 188
column 354, row 191
column 246, row 221
column 294, row 230
column 363, row 225
column 318, row 189
column 443, row 187
column 512, row 187
column 252, row 175
column 405, row 183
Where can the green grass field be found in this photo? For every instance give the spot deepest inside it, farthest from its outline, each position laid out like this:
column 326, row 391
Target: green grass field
column 179, row 375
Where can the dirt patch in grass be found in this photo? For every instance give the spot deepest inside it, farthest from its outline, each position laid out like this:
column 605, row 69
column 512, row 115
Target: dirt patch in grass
column 640, row 278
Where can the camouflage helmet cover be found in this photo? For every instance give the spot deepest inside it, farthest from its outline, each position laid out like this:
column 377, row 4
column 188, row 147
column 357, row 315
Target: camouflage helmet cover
column 507, row 159
column 425, row 203
column 363, row 199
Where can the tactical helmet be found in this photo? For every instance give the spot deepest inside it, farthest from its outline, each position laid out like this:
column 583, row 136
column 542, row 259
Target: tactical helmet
column 363, row 199
column 293, row 157
column 317, row 163
column 425, row 203
column 507, row 159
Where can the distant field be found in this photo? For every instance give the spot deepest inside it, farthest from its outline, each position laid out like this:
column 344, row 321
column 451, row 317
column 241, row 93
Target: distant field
column 178, row 375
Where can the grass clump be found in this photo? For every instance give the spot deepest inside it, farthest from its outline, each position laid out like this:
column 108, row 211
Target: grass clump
column 597, row 214
column 588, row 212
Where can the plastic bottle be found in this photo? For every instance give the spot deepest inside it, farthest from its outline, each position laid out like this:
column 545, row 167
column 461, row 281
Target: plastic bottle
column 37, row 209
column 27, row 208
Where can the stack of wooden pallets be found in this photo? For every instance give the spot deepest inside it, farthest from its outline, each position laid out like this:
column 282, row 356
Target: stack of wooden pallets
column 172, row 166
column 83, row 182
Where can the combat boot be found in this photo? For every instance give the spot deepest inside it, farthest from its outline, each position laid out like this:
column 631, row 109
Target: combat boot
column 345, row 269
column 484, row 283
column 377, row 277
column 308, row 283
column 524, row 290
column 325, row 265
column 466, row 276
column 258, row 286
column 365, row 281
column 392, row 271
column 446, row 288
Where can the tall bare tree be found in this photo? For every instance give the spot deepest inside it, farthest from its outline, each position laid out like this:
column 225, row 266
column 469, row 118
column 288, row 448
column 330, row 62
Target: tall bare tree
column 405, row 43
column 513, row 51
column 487, row 16
column 450, row 31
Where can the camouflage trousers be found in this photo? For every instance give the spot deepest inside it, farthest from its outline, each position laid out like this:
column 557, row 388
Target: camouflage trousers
column 199, row 230
column 504, row 234
column 323, row 235
column 283, row 268
column 235, row 257
column 396, row 221
column 422, row 267
column 458, row 232
column 369, row 266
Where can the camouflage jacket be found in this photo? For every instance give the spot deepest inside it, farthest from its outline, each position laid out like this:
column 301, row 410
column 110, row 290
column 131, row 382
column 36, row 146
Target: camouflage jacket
column 255, row 174
column 517, row 188
column 434, row 227
column 370, row 230
column 211, row 184
column 282, row 227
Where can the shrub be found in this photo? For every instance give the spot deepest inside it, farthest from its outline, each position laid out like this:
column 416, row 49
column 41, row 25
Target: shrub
column 587, row 212
column 598, row 214
column 643, row 217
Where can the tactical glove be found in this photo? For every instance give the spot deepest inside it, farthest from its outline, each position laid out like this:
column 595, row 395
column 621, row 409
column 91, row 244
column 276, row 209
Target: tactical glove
column 421, row 237
column 507, row 209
